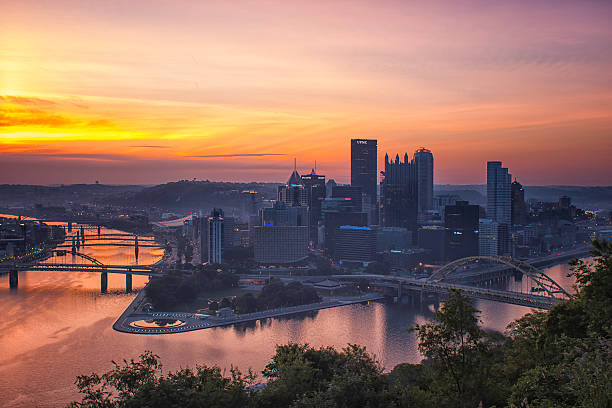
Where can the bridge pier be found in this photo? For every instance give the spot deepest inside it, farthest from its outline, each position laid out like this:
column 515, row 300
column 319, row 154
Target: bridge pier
column 128, row 283
column 13, row 279
column 103, row 282
column 136, row 247
column 98, row 231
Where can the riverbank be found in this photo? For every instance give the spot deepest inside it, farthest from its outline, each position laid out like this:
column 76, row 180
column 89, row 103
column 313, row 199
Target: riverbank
column 129, row 321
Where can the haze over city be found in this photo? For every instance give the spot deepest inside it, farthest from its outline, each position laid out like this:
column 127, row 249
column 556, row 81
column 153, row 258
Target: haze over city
column 134, row 92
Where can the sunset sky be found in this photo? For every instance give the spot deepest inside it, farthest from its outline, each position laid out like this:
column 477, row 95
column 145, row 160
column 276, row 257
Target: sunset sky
column 155, row 91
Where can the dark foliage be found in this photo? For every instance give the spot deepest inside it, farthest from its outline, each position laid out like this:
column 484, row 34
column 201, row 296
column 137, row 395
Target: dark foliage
column 276, row 294
column 174, row 289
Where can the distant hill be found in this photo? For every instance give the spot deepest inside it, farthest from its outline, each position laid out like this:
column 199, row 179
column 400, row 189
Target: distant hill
column 195, row 195
column 13, row 195
column 582, row 197
column 182, row 196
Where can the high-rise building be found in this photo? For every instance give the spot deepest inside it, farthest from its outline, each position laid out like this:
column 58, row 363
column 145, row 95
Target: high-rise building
column 280, row 244
column 364, row 167
column 337, row 212
column 315, row 190
column 250, row 202
column 398, row 193
column 499, row 200
column 282, row 214
column 488, row 236
column 352, row 193
column 499, row 203
column 518, row 208
column 215, row 236
column 293, row 193
column 424, row 162
column 431, row 238
column 461, row 225
column 355, row 244
column 280, row 235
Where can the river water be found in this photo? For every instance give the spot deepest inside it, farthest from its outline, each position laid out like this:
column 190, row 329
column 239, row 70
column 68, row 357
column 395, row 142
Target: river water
column 57, row 325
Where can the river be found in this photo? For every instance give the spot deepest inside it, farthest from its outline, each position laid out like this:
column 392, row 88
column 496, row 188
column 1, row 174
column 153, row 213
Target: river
column 57, row 325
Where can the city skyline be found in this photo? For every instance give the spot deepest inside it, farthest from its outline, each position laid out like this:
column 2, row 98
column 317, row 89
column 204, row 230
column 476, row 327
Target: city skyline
column 124, row 94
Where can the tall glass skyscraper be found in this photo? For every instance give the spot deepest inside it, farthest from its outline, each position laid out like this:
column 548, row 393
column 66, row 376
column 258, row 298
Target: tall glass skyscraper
column 499, row 201
column 423, row 160
column 364, row 169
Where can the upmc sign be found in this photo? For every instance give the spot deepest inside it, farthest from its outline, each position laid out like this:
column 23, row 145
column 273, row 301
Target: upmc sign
column 361, row 141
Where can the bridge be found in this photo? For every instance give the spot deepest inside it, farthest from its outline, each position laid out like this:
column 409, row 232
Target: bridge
column 544, row 294
column 125, row 240
column 93, row 266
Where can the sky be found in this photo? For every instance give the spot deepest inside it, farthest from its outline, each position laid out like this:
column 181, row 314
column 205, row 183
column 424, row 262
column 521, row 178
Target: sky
column 153, row 91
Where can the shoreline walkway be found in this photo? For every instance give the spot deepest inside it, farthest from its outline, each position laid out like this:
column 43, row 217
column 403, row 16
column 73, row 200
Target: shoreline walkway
column 191, row 322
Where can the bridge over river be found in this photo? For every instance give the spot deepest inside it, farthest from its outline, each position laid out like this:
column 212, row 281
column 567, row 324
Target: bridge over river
column 91, row 265
column 540, row 291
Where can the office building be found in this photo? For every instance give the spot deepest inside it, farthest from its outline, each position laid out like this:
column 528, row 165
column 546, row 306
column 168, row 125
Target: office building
column 293, row 193
column 281, row 214
column 461, row 225
column 315, row 193
column 393, row 238
column 499, row 202
column 364, row 168
column 398, row 193
column 280, row 244
column 488, row 237
column 215, row 236
column 355, row 244
column 352, row 193
column 431, row 238
column 424, row 163
column 518, row 208
column 337, row 212
column 250, row 203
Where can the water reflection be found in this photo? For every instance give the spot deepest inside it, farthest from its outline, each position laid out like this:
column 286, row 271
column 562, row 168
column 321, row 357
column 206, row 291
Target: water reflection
column 58, row 325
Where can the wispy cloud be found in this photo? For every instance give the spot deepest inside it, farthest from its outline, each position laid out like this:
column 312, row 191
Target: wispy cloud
column 149, row 146
column 206, row 156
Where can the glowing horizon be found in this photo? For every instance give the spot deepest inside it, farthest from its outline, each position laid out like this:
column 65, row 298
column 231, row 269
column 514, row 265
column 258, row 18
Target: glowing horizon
column 144, row 93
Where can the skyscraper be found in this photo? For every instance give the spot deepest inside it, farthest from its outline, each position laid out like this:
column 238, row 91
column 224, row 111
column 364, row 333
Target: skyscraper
column 461, row 225
column 293, row 193
column 364, row 169
column 424, row 162
column 315, row 191
column 498, row 193
column 518, row 208
column 352, row 193
column 398, row 190
column 215, row 236
column 499, row 203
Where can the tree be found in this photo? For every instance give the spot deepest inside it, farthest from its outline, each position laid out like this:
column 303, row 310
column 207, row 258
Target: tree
column 302, row 376
column 455, row 344
column 594, row 285
column 141, row 384
column 225, row 303
column 246, row 303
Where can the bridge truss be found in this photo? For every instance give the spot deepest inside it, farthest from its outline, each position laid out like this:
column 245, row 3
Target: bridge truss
column 544, row 282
